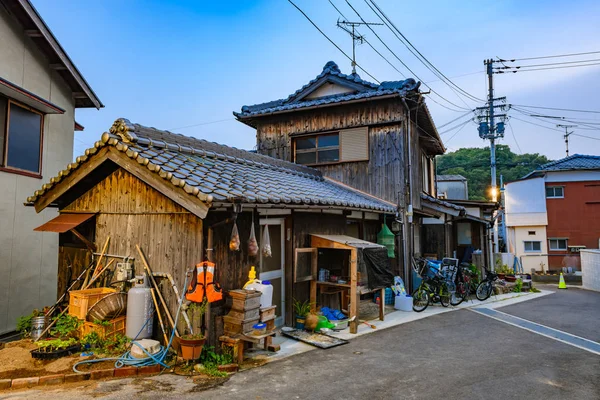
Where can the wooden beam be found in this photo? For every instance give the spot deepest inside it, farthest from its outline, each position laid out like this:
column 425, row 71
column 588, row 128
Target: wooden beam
column 89, row 245
column 178, row 195
column 33, row 33
column 80, row 95
column 354, row 296
column 58, row 66
column 71, row 180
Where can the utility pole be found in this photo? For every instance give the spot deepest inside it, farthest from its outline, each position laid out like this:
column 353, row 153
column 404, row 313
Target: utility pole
column 490, row 130
column 354, row 35
column 567, row 134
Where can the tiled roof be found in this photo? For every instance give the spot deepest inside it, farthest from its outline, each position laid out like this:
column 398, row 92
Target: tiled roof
column 442, row 202
column 445, row 178
column 363, row 90
column 574, row 162
column 218, row 173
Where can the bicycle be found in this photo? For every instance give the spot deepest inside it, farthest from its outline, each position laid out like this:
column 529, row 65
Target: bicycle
column 433, row 287
column 465, row 284
column 486, row 287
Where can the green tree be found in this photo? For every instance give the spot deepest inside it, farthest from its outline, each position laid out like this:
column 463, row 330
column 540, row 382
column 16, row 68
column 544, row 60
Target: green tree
column 474, row 164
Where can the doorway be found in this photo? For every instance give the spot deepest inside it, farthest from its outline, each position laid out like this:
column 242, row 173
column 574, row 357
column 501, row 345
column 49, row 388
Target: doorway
column 272, row 268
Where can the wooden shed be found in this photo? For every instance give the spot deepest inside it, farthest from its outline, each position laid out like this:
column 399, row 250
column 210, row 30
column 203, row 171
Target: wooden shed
column 167, row 192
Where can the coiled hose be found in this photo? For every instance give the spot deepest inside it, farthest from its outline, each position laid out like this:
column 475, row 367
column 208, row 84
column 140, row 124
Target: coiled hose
column 128, row 360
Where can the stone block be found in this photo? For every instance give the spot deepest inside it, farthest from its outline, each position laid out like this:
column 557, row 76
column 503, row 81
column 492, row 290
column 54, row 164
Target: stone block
column 228, row 367
column 52, row 379
column 125, row 371
column 77, row 377
column 102, row 373
column 5, row 384
column 21, row 383
column 149, row 370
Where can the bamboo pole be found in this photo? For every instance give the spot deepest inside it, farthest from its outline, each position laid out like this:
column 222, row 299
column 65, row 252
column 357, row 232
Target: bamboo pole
column 176, row 291
column 153, row 281
column 101, row 256
column 160, row 320
column 99, row 274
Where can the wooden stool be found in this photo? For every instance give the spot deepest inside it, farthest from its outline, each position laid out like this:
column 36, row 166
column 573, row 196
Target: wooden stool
column 234, row 345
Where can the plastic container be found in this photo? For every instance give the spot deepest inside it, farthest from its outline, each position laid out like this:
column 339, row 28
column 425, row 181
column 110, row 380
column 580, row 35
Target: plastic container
column 266, row 290
column 340, row 325
column 105, row 330
column 80, row 301
column 140, row 309
column 38, row 324
column 403, row 303
column 259, row 329
column 389, row 296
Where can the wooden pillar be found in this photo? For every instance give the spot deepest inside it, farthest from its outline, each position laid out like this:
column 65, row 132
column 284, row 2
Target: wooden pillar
column 209, row 257
column 354, row 297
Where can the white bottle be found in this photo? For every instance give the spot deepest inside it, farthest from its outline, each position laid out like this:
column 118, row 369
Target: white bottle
column 266, row 289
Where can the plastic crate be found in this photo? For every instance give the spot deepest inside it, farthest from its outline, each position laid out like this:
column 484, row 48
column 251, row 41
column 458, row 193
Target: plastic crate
column 113, row 327
column 389, row 296
column 80, row 301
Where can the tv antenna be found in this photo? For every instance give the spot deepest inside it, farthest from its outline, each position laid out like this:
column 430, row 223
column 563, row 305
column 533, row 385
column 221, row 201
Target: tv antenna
column 567, row 134
column 349, row 27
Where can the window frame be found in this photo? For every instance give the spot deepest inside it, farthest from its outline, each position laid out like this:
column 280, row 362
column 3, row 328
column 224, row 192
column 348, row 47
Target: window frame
column 427, row 176
column 562, row 188
column 316, row 149
column 532, row 249
column 5, row 129
column 566, row 240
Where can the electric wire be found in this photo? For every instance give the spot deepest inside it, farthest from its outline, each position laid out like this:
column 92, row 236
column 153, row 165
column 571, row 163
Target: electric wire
column 201, row 123
column 331, row 41
column 558, row 109
column 545, row 69
column 407, row 67
column 455, row 119
column 455, row 127
column 548, row 64
column 369, row 43
column 420, row 56
column 514, row 137
column 555, row 56
column 455, row 133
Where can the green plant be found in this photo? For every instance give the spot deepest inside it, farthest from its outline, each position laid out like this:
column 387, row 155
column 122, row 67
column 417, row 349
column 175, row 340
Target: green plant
column 518, row 286
column 503, row 269
column 66, row 326
column 534, row 290
column 56, row 344
column 93, row 340
column 302, row 308
column 102, row 323
column 117, row 344
column 195, row 336
column 209, row 356
column 24, row 322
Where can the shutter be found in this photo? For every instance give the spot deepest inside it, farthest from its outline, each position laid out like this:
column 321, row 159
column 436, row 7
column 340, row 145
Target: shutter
column 354, row 144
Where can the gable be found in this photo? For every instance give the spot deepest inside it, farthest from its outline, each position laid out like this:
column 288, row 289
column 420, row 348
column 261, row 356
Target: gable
column 329, row 89
column 123, row 192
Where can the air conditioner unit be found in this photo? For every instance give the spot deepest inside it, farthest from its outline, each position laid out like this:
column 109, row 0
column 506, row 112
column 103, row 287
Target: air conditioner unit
column 575, row 249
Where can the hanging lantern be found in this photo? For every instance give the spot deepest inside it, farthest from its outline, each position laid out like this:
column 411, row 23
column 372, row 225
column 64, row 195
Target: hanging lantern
column 386, row 238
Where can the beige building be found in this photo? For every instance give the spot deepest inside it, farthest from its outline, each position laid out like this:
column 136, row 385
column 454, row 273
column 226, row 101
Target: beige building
column 40, row 88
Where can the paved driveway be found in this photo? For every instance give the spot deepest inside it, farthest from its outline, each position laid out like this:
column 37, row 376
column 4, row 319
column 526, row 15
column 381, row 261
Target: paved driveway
column 457, row 355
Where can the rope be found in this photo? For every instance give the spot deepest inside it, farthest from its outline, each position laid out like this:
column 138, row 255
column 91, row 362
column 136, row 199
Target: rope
column 127, row 359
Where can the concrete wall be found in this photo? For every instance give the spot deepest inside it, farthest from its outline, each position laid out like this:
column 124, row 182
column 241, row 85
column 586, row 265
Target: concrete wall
column 516, row 245
column 590, row 269
column 28, row 260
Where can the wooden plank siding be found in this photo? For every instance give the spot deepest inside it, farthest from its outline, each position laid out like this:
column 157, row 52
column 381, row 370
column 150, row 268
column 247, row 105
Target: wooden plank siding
column 382, row 176
column 131, row 212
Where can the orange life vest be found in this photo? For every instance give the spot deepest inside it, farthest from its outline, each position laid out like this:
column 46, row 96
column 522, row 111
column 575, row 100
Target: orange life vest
column 203, row 284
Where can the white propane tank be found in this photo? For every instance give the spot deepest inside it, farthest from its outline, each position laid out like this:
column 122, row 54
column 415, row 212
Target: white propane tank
column 139, row 309
column 266, row 289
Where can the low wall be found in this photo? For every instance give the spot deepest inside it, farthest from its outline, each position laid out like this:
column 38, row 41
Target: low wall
column 590, row 268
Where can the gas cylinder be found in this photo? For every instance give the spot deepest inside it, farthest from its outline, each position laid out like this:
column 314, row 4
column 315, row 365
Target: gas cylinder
column 140, row 310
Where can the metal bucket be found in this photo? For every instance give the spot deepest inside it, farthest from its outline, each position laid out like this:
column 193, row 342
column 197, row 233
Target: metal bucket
column 38, row 324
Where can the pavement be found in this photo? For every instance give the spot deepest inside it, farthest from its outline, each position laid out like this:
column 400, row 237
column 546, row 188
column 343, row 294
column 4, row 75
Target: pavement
column 458, row 355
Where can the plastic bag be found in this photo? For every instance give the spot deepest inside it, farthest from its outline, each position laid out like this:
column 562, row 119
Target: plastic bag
column 266, row 242
column 234, row 242
column 252, row 243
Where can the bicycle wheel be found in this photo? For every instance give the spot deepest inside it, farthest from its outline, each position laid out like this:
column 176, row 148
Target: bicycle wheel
column 484, row 291
column 458, row 295
column 444, row 294
column 420, row 300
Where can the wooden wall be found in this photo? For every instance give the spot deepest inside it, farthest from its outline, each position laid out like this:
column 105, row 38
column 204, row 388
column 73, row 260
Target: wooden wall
column 382, row 175
column 131, row 212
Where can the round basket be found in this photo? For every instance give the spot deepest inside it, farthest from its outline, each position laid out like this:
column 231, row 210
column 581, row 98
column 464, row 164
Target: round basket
column 112, row 306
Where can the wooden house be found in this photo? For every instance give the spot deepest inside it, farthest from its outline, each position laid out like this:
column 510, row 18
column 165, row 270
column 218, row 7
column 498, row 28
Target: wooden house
column 377, row 138
column 170, row 193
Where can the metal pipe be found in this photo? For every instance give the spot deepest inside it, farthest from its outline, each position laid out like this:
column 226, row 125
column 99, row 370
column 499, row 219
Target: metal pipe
column 115, row 256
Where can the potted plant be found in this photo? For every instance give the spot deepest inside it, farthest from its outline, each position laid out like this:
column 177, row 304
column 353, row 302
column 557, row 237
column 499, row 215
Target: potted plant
column 190, row 345
column 301, row 309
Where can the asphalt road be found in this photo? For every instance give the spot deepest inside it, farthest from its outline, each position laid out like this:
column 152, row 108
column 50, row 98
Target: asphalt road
column 458, row 355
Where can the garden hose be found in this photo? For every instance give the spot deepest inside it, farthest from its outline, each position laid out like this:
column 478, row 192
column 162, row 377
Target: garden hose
column 127, row 359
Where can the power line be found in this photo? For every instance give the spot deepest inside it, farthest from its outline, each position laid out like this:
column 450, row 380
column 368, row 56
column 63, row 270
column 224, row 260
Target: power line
column 369, row 43
column 558, row 109
column 545, row 69
column 404, row 64
column 331, row 41
column 456, row 133
column 514, row 137
column 455, row 119
column 422, row 58
column 457, row 76
column 556, row 56
column 201, row 123
column 549, row 64
column 533, row 123
column 454, row 127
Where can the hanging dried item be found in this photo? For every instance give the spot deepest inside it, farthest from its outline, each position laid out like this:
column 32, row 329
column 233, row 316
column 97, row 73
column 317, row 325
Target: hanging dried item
column 266, row 242
column 252, row 242
column 234, row 242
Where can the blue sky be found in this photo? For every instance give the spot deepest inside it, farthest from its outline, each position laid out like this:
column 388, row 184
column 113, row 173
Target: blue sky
column 183, row 65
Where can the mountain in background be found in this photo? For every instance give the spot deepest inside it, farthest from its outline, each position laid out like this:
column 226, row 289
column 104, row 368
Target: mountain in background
column 474, row 164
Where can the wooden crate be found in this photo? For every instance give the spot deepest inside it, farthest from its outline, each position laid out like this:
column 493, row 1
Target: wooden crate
column 242, row 299
column 246, row 314
column 267, row 313
column 270, row 324
column 233, row 326
column 80, row 301
column 115, row 326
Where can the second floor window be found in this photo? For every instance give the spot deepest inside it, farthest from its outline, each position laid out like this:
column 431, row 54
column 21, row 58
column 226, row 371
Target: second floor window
column 558, row 244
column 20, row 137
column 533, row 246
column 318, row 149
column 555, row 192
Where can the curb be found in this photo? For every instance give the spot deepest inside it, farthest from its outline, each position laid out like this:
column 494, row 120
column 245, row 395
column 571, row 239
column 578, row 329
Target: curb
column 57, row 379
